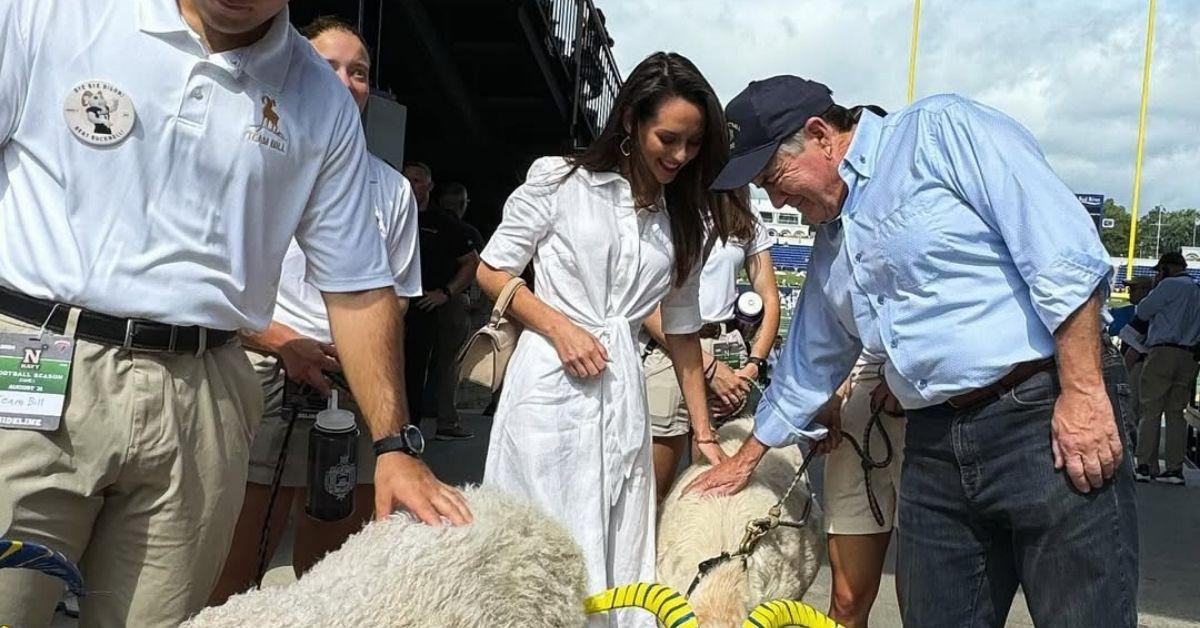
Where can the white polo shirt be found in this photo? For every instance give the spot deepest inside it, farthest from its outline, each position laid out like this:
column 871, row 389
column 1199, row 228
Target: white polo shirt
column 300, row 305
column 187, row 218
column 718, row 279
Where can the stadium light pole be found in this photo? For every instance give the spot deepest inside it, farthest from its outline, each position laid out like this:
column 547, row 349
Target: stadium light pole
column 912, row 50
column 1141, row 140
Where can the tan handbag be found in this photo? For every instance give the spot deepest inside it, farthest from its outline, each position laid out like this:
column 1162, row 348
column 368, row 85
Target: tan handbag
column 484, row 358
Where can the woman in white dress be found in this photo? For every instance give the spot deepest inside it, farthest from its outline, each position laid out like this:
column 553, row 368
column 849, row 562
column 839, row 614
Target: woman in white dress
column 613, row 232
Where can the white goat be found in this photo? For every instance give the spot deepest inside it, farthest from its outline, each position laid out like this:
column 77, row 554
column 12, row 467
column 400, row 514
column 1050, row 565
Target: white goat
column 514, row 566
column 693, row 529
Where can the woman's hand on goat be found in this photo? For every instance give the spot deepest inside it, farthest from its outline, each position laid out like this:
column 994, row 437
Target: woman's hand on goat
column 712, row 451
column 404, row 482
column 581, row 353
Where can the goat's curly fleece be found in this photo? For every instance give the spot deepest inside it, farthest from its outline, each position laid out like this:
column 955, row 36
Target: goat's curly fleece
column 513, row 567
column 692, row 529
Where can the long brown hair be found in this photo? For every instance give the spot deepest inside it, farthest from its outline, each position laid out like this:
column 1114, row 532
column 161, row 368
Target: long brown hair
column 658, row 78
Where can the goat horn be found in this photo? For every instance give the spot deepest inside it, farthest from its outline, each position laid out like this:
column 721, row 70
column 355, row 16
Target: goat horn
column 667, row 604
column 781, row 613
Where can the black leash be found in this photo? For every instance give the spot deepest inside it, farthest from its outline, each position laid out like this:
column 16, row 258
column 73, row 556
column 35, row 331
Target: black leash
column 276, row 480
column 869, row 463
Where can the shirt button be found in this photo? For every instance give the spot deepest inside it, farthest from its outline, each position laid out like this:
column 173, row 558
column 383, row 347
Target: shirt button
column 858, row 257
column 895, row 343
column 922, row 383
column 198, row 94
column 862, row 159
column 879, row 299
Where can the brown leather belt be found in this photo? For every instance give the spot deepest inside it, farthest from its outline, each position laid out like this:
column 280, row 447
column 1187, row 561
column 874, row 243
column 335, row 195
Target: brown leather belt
column 995, row 390
column 712, row 330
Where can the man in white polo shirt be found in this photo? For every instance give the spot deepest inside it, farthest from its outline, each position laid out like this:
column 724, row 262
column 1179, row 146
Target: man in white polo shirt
column 158, row 159
column 298, row 345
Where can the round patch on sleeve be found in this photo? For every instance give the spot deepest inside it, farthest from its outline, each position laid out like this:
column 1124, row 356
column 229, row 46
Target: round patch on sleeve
column 99, row 113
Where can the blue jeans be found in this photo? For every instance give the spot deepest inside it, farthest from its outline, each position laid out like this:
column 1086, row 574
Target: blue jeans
column 982, row 510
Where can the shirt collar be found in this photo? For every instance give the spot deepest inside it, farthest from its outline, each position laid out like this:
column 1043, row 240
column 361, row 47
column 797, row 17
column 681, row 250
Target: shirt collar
column 266, row 60
column 860, row 157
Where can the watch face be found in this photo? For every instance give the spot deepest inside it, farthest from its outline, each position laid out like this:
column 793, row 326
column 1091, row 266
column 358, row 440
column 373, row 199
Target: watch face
column 416, row 440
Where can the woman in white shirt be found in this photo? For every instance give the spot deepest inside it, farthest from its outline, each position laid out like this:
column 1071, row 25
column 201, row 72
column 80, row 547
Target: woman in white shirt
column 731, row 360
column 612, row 232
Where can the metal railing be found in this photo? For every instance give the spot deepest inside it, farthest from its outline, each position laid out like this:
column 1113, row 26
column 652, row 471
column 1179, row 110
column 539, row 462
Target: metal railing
column 576, row 36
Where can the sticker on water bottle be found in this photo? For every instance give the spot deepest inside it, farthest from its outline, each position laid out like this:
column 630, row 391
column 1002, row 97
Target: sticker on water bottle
column 341, row 478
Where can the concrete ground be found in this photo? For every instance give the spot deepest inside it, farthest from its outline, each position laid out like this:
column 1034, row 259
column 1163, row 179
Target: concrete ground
column 1170, row 553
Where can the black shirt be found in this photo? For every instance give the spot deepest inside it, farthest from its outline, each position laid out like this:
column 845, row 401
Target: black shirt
column 443, row 241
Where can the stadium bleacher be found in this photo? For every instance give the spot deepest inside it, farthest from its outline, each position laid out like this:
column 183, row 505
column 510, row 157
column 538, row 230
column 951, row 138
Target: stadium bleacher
column 791, row 256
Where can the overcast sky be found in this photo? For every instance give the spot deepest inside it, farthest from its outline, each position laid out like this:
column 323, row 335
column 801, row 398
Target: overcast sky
column 1070, row 70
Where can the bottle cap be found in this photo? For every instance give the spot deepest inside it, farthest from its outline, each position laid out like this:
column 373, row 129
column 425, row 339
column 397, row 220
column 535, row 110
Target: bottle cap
column 334, row 419
column 748, row 308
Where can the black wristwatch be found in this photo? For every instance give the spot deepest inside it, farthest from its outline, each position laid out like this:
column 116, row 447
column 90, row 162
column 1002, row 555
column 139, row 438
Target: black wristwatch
column 761, row 364
column 409, row 441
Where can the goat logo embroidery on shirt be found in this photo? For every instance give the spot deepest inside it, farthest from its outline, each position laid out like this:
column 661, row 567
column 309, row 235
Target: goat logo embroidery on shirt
column 99, row 113
column 266, row 132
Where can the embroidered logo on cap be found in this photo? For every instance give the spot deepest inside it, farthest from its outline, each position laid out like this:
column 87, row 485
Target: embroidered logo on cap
column 99, row 113
column 266, row 132
column 734, row 129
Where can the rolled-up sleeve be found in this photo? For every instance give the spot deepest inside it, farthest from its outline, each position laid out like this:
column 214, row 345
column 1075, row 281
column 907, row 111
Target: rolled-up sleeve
column 818, row 356
column 528, row 215
column 996, row 166
column 681, row 307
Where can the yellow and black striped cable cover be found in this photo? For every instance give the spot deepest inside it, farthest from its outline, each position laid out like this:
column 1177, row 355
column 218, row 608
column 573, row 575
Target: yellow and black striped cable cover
column 781, row 613
column 667, row 604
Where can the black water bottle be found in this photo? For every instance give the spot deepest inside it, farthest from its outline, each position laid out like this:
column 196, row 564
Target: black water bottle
column 332, row 463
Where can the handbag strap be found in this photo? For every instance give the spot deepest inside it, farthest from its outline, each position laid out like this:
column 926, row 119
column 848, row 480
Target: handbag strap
column 506, row 297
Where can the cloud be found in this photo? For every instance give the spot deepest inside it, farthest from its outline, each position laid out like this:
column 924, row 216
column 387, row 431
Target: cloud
column 1069, row 71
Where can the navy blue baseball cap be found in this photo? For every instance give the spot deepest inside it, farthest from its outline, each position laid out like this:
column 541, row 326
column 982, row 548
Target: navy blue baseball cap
column 760, row 118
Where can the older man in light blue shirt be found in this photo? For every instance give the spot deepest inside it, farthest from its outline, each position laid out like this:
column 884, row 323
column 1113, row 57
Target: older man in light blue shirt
column 947, row 243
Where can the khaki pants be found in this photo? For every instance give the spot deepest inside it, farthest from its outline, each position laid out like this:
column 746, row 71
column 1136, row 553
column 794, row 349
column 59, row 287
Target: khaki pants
column 1167, row 385
column 141, row 484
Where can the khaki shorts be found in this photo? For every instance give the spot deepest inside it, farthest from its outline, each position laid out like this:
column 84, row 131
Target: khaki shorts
column 268, row 440
column 664, row 399
column 141, row 484
column 847, row 508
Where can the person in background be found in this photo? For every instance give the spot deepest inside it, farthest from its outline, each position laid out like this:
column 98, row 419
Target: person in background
column 613, row 232
column 1170, row 316
column 731, row 360
column 1132, row 348
column 455, row 199
column 1138, row 287
column 298, row 345
column 448, row 263
column 453, row 326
